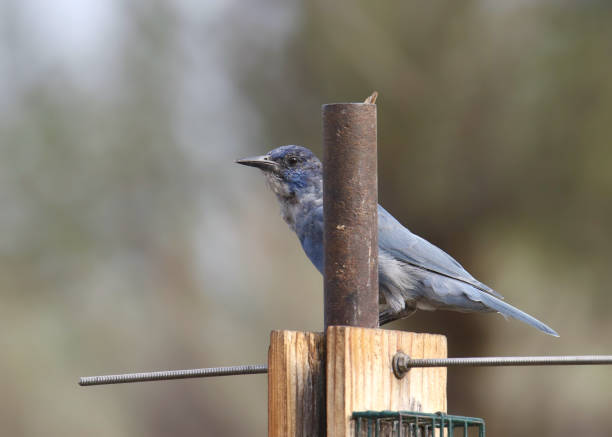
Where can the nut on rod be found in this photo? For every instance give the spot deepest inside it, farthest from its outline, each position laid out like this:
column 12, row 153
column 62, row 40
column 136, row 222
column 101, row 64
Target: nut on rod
column 402, row 363
column 173, row 374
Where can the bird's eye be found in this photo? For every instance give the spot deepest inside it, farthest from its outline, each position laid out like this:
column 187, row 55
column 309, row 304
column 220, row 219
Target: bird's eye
column 291, row 161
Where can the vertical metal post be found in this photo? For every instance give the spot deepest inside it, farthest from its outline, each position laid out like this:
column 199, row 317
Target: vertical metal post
column 350, row 198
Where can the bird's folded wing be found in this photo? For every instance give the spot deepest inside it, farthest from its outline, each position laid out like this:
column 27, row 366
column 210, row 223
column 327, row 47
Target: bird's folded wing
column 411, row 249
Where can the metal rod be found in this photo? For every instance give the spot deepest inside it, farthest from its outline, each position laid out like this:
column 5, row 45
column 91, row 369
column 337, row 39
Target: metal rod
column 173, row 374
column 402, row 363
column 350, row 198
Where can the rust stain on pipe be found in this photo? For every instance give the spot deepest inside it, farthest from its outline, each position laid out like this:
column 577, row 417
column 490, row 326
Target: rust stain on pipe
column 350, row 198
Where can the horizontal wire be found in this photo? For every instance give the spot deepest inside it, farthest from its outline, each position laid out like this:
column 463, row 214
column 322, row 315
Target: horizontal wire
column 508, row 361
column 173, row 374
column 402, row 363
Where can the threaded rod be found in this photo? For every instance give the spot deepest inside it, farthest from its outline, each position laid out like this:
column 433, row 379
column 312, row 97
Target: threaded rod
column 402, row 363
column 173, row 374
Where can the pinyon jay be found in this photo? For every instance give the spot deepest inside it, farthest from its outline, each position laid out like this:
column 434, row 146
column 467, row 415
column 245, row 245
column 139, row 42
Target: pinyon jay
column 413, row 273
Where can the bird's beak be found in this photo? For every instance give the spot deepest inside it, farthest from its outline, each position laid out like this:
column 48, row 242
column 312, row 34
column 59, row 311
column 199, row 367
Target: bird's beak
column 262, row 162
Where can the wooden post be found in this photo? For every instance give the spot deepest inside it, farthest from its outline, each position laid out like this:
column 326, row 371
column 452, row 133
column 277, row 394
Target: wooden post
column 360, row 374
column 296, row 384
column 359, row 377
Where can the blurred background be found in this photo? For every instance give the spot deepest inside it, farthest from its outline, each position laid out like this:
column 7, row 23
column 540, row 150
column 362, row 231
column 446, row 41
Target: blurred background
column 130, row 241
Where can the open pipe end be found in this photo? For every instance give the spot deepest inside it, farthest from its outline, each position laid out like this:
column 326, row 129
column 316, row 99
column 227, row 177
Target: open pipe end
column 372, row 98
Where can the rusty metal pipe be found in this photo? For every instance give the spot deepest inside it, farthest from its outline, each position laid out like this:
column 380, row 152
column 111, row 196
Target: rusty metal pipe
column 350, row 198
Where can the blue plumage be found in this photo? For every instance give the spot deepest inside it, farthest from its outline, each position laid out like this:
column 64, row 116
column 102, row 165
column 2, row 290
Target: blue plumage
column 413, row 273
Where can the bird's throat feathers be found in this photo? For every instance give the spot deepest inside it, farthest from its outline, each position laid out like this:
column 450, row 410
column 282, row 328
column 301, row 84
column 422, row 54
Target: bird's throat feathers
column 296, row 198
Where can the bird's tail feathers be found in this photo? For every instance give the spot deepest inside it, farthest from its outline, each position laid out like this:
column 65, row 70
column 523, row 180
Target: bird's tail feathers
column 508, row 310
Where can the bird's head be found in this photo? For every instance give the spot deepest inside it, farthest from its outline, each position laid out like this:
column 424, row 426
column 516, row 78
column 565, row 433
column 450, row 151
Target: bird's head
column 291, row 171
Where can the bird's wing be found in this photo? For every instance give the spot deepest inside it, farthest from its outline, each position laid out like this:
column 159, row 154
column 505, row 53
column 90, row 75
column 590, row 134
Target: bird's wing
column 411, row 249
column 310, row 233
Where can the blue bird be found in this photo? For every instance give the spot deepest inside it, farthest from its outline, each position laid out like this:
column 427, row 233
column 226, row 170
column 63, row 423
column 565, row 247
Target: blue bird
column 413, row 274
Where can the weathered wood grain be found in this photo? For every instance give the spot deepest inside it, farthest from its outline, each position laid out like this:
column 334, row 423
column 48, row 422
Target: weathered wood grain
column 360, row 375
column 296, row 384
